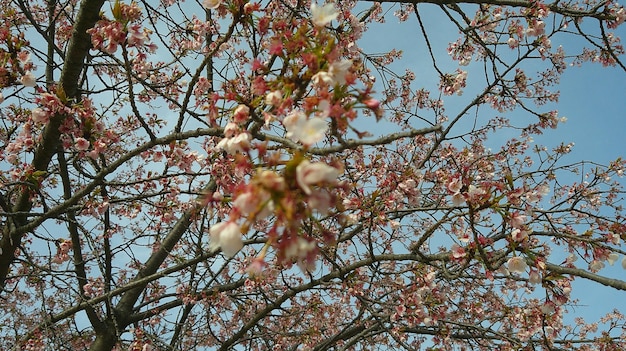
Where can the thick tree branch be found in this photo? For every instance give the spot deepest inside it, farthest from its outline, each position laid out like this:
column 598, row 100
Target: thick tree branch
column 577, row 272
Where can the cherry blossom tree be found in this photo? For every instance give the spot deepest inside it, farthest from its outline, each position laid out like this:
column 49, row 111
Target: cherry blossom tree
column 186, row 175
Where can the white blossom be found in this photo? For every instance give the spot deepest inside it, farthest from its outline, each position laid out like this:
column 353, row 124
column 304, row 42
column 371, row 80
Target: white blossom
column 321, row 16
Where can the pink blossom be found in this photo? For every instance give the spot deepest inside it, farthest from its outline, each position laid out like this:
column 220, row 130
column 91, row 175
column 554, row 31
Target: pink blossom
column 230, row 129
column 308, row 174
column 519, row 235
column 458, row 199
column 276, row 47
column 38, row 115
column 81, row 144
column 320, row 201
column 274, row 98
column 454, row 185
column 211, row 4
column 258, row 203
column 23, row 57
column 338, row 71
column 256, row 267
column 512, row 42
column 534, row 277
column 336, row 74
column 227, row 236
column 596, row 266
column 474, row 193
column 135, row 36
column 372, row 103
column 241, row 114
column 517, row 264
column 306, row 131
column 299, row 250
column 517, row 220
column 271, row 181
column 239, row 143
column 322, row 78
column 536, row 28
column 453, row 83
column 458, row 251
column 250, row 7
column 28, row 79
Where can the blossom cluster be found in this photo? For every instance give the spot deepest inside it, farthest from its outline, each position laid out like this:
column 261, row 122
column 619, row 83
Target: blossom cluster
column 453, row 83
column 107, row 34
column 303, row 188
column 63, row 249
column 290, row 198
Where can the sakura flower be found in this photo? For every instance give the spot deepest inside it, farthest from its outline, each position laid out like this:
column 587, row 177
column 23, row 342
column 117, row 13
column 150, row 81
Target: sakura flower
column 548, row 307
column 81, row 144
column 227, row 236
column 457, row 199
column 256, row 267
column 211, row 4
column 320, row 201
column 28, row 79
column 454, row 185
column 612, row 258
column 536, row 28
column 241, row 114
column 534, row 277
column 458, row 252
column 596, row 265
column 517, row 264
column 38, row 115
column 274, row 98
column 250, row 7
column 271, row 181
column 230, row 130
column 301, row 250
column 338, row 71
column 306, row 131
column 517, row 220
column 620, row 17
column 372, row 104
column 322, row 78
column 23, row 57
column 475, row 193
column 135, row 36
column 308, row 174
column 519, row 235
column 239, row 143
column 513, row 43
column 321, row 16
column 257, row 203
column 336, row 74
